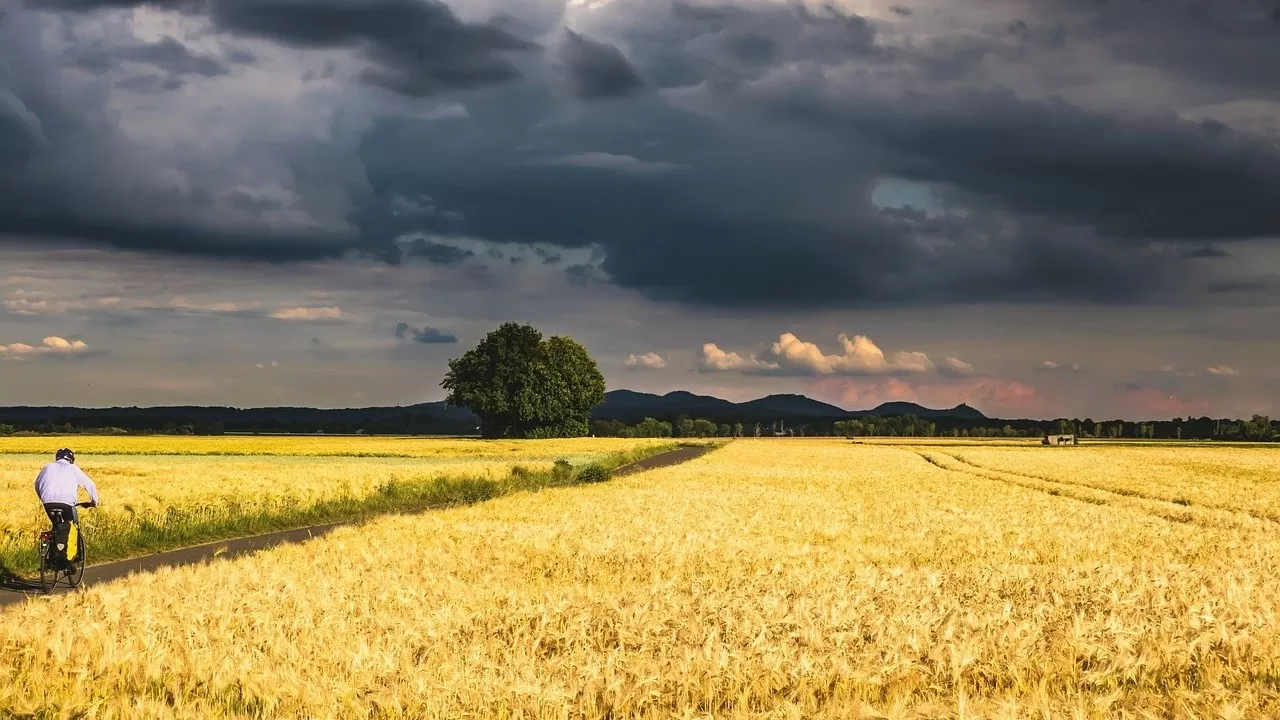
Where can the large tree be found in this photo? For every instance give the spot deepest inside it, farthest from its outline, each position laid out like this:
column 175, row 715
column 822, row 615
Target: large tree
column 523, row 386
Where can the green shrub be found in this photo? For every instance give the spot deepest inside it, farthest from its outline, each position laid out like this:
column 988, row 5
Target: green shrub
column 562, row 471
column 594, row 474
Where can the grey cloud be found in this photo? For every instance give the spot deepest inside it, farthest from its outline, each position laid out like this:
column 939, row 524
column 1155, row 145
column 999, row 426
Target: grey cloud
column 582, row 274
column 548, row 258
column 1265, row 283
column 598, row 70
column 1206, row 252
column 1040, row 200
column 418, row 47
column 21, row 133
column 241, row 57
column 755, row 229
column 425, row 336
column 151, row 83
column 1151, row 176
column 439, row 253
column 1228, row 43
column 167, row 54
column 93, row 5
column 727, row 44
column 83, row 179
column 250, row 202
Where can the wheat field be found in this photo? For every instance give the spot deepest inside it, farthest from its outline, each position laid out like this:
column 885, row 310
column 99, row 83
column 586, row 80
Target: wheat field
column 155, row 488
column 770, row 578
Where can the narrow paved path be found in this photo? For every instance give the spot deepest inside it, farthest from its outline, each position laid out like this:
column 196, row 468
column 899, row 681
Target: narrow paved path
column 14, row 591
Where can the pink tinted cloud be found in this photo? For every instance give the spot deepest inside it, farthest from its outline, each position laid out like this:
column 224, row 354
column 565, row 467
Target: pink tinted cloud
column 993, row 396
column 1152, row 404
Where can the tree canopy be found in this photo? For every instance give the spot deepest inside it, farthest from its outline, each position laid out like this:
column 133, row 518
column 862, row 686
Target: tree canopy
column 523, row 386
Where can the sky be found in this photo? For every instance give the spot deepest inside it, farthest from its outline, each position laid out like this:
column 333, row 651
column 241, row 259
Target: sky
column 1041, row 208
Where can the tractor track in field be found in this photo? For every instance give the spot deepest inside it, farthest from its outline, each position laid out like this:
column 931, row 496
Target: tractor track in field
column 17, row 590
column 1260, row 517
column 1169, row 510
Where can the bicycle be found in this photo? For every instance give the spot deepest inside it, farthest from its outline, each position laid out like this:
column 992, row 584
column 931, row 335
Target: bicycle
column 51, row 568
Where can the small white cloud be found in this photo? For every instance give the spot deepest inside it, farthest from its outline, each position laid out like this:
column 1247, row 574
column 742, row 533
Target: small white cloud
column 1051, row 366
column 713, row 359
column 181, row 305
column 275, row 364
column 858, row 356
column 50, row 345
column 63, row 345
column 955, row 367
column 1222, row 371
column 1173, row 371
column 21, row 302
column 648, row 361
column 259, row 366
column 308, row 314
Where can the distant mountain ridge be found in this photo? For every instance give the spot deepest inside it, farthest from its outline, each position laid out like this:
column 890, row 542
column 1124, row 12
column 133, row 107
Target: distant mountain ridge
column 436, row 417
column 629, row 405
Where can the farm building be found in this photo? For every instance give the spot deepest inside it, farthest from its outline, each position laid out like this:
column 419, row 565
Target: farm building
column 1059, row 440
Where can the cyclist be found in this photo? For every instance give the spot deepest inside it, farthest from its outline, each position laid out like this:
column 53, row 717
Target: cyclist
column 58, row 485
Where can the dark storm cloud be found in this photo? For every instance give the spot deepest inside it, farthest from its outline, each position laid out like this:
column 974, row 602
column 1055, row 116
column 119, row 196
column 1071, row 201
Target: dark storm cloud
column 425, row 336
column 729, row 43
column 1228, row 42
column 418, row 47
column 758, row 192
column 93, row 5
column 151, row 83
column 21, row 133
column 1137, row 177
column 37, row 214
column 439, row 253
column 598, row 70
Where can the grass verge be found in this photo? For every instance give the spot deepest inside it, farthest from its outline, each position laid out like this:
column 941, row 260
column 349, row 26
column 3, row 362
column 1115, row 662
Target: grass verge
column 120, row 536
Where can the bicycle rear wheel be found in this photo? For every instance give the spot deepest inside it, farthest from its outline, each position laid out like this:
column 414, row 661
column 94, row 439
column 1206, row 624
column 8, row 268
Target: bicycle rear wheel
column 76, row 574
column 48, row 573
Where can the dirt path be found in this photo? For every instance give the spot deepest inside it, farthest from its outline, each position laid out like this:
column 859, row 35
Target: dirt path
column 14, row 591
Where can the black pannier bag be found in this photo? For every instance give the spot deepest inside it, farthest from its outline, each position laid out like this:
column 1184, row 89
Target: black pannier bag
column 60, row 542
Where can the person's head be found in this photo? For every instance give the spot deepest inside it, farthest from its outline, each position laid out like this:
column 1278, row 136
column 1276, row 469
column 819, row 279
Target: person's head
column 66, row 454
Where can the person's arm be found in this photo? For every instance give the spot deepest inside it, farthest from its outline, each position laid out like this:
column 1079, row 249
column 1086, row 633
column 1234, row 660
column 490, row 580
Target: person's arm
column 39, row 478
column 87, row 484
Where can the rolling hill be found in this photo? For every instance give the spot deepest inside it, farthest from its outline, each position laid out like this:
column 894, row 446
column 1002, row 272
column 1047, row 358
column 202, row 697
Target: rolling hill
column 631, row 406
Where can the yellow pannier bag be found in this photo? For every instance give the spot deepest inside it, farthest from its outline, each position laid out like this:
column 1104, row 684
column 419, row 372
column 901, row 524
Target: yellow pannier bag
column 72, row 546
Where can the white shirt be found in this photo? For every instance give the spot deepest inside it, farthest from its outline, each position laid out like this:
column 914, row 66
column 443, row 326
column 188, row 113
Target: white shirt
column 58, row 482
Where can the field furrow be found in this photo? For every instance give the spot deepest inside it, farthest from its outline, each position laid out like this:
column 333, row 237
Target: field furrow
column 1241, row 480
column 1170, row 510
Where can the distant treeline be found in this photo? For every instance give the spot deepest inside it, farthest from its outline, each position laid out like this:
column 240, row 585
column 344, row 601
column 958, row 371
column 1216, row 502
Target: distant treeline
column 1258, row 428
column 413, row 422
column 328, row 422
